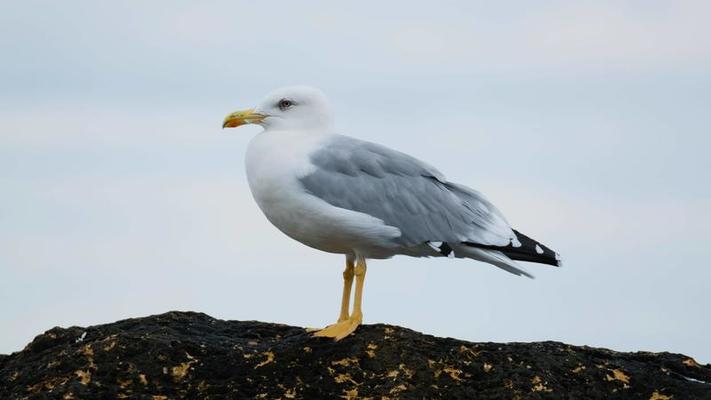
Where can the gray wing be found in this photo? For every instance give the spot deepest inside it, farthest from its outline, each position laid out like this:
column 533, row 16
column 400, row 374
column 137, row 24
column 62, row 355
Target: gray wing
column 405, row 193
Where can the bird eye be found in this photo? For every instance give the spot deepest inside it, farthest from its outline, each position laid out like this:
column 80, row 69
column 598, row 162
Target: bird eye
column 284, row 104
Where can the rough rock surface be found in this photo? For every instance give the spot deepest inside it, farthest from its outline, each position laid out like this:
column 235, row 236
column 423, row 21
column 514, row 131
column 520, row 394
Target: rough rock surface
column 191, row 355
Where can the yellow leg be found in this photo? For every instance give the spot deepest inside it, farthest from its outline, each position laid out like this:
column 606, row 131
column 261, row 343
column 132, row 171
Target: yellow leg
column 347, row 284
column 345, row 327
column 358, row 301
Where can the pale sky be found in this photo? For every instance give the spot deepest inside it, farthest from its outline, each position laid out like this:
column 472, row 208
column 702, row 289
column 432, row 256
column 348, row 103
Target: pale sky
column 587, row 123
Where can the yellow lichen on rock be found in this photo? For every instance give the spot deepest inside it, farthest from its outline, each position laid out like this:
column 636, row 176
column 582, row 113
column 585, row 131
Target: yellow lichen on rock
column 397, row 389
column 408, row 372
column 432, row 364
column 618, row 375
column 123, row 384
column 539, row 385
column 110, row 346
column 690, row 362
column 290, row 393
column 471, row 353
column 453, row 373
column 345, row 362
column 179, row 371
column 87, row 350
column 341, row 378
column 84, row 376
column 658, row 396
column 268, row 360
column 350, row 394
column 371, row 350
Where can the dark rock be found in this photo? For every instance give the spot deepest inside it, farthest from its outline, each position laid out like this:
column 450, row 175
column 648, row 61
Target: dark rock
column 191, row 355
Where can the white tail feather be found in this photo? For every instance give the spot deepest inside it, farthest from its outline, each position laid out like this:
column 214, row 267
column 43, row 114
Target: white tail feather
column 492, row 257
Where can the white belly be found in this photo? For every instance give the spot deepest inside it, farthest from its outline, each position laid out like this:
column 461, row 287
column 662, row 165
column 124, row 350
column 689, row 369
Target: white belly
column 275, row 161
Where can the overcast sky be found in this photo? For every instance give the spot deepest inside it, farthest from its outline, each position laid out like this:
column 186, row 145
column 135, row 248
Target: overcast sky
column 588, row 124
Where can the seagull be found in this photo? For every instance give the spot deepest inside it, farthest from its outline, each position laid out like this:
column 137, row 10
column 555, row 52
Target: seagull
column 344, row 195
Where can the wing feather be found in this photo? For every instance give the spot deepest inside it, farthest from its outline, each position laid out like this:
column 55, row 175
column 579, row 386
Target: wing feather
column 404, row 192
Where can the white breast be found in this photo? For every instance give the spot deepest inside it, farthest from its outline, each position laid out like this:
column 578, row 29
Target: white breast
column 275, row 161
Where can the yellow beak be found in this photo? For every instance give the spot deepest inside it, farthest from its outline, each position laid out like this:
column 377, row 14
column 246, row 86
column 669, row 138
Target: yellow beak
column 238, row 118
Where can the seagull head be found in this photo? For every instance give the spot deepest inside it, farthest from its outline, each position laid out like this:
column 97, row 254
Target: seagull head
column 289, row 108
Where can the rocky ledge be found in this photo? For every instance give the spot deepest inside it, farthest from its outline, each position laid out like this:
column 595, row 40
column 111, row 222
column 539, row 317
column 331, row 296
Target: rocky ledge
column 191, row 355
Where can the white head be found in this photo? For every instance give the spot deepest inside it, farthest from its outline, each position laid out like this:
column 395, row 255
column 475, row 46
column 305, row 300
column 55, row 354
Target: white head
column 289, row 108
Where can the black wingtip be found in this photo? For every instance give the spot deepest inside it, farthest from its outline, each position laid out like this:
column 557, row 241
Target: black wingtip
column 533, row 251
column 526, row 249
